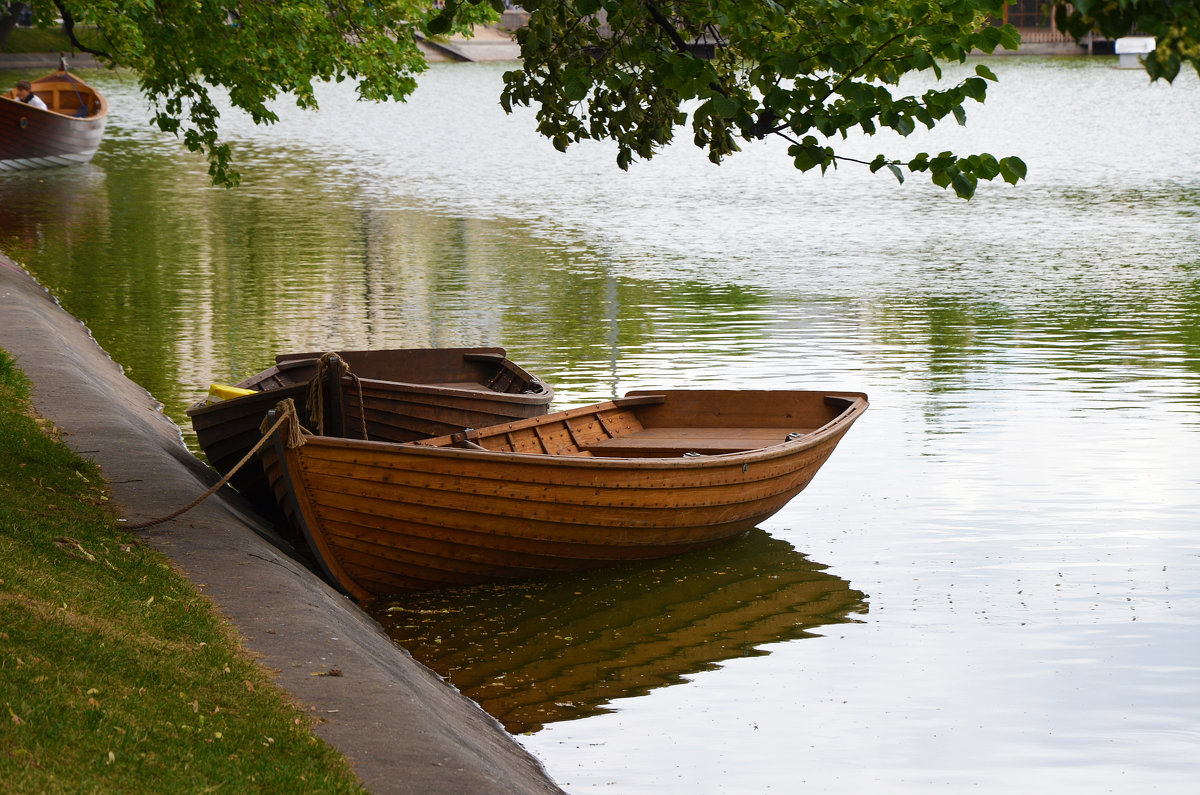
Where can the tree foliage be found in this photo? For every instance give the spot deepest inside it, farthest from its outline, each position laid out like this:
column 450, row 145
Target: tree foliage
column 183, row 49
column 630, row 71
column 1174, row 24
column 811, row 71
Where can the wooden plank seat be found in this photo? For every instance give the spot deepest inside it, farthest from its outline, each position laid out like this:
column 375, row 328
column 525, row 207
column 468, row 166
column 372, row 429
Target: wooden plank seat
column 669, row 442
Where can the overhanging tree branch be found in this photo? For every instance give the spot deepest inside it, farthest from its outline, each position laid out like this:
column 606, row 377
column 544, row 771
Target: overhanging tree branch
column 68, row 23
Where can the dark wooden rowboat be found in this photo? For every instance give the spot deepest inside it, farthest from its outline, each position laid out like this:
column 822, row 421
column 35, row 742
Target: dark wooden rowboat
column 67, row 132
column 406, row 395
column 642, row 477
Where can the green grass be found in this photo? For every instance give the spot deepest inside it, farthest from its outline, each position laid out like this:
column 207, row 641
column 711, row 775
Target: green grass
column 49, row 40
column 115, row 674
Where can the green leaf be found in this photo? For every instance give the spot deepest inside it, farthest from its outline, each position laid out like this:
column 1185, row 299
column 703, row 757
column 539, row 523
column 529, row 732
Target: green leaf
column 896, row 172
column 918, row 163
column 574, row 89
column 802, row 157
column 787, row 64
column 964, row 185
column 1010, row 39
column 975, row 88
column 1012, row 169
column 986, row 167
column 439, row 24
column 725, row 107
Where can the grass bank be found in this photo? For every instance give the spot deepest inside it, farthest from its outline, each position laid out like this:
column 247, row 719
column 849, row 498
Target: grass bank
column 115, row 673
column 26, row 40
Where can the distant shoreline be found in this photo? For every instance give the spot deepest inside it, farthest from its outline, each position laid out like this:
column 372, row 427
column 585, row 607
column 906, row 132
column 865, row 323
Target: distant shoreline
column 46, row 60
column 489, row 43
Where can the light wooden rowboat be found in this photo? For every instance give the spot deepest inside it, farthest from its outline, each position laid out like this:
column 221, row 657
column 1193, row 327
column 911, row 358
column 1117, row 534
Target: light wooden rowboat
column 643, row 477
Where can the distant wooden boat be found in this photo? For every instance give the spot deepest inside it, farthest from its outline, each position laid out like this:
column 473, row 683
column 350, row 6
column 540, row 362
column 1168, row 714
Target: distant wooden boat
column 67, row 132
column 643, row 477
column 406, row 395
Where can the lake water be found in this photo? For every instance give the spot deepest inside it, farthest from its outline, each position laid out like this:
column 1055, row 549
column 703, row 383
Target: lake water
column 993, row 585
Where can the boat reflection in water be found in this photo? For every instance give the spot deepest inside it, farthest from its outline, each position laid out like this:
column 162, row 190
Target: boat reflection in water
column 535, row 652
column 59, row 212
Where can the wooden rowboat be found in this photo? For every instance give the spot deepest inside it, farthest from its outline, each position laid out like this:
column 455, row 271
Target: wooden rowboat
column 643, row 477
column 406, row 394
column 68, row 131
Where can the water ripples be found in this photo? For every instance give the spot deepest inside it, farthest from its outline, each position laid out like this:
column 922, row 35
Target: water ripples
column 1018, row 503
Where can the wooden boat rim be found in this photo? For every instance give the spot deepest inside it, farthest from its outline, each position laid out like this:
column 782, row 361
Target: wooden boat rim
column 305, row 356
column 495, row 355
column 293, row 361
column 202, row 405
column 857, row 404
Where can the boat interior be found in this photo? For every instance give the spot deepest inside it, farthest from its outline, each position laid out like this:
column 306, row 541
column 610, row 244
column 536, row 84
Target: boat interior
column 66, row 96
column 643, row 427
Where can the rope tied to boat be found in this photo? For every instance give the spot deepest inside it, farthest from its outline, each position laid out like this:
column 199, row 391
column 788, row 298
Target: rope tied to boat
column 285, row 410
column 316, row 395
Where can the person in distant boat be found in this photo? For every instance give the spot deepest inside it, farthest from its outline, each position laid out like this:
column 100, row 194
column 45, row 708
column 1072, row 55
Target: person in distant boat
column 25, row 94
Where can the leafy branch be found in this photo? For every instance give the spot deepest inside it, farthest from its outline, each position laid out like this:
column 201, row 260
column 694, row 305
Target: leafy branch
column 801, row 70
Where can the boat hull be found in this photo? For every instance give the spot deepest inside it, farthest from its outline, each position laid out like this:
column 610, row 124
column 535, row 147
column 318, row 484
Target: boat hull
column 383, row 518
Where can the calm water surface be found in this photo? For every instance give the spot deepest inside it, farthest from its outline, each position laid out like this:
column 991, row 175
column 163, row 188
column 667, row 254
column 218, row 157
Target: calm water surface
column 993, row 585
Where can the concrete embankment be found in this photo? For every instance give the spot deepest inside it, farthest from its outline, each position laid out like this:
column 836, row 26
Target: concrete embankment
column 404, row 729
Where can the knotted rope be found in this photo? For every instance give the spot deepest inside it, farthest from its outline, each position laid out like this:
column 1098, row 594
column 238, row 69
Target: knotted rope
column 316, row 395
column 284, row 410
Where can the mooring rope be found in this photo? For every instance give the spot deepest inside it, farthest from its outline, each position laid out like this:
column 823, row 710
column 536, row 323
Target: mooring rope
column 284, row 410
column 316, row 395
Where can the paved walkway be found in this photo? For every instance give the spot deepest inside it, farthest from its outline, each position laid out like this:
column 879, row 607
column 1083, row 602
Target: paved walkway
column 404, row 729
column 487, row 44
column 44, row 60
